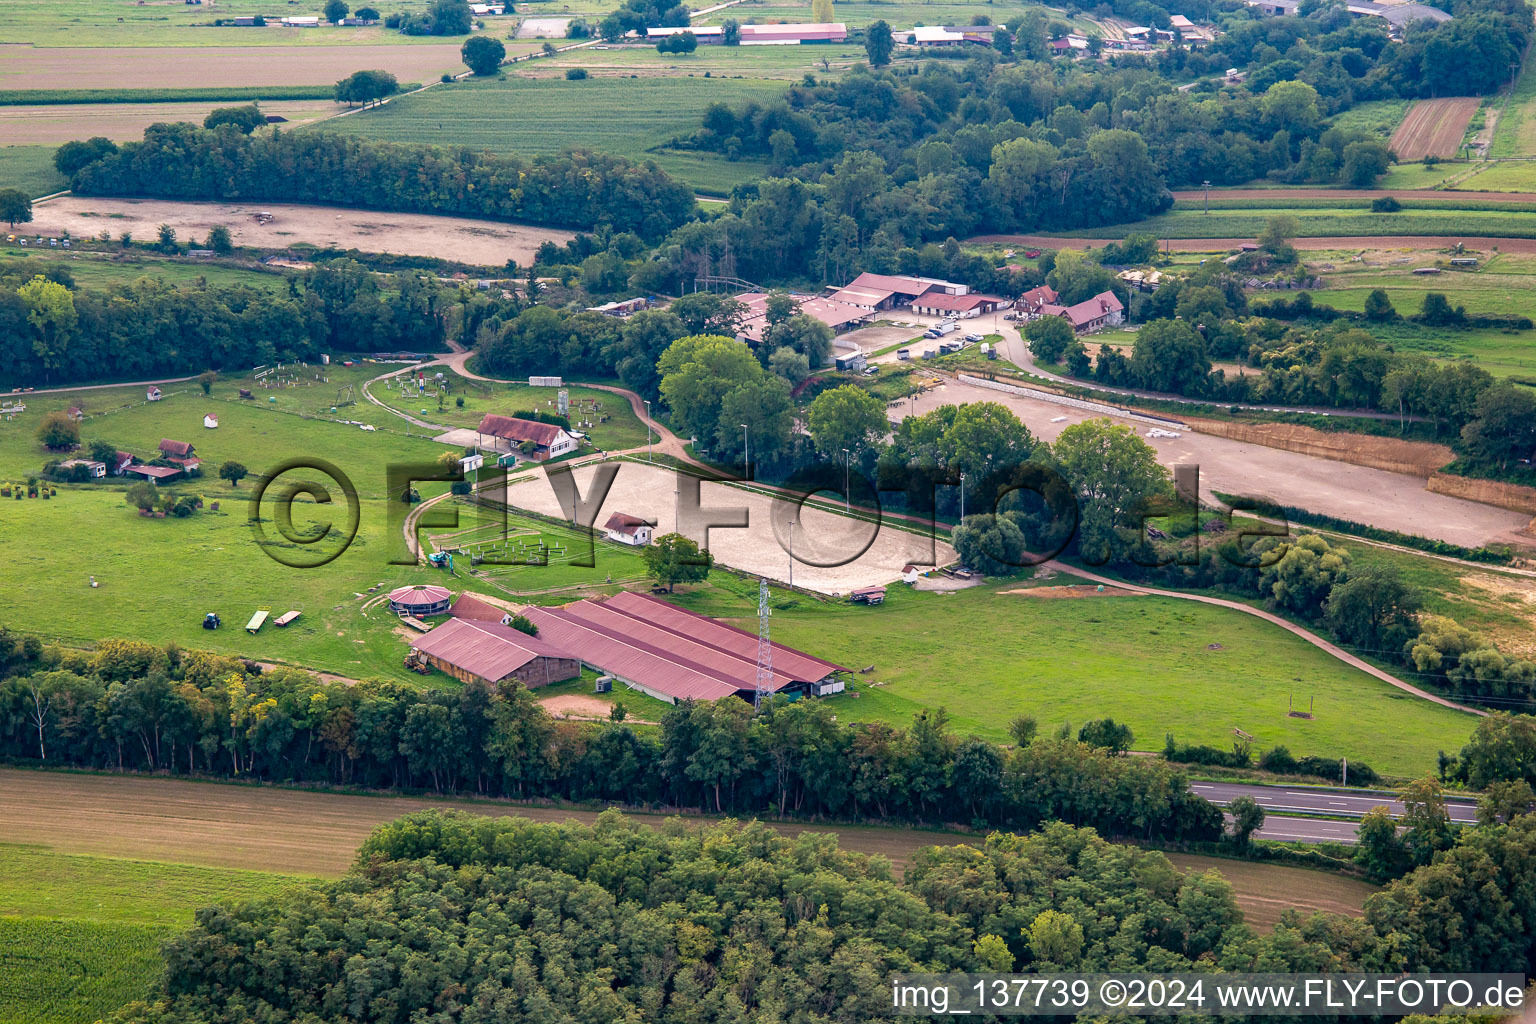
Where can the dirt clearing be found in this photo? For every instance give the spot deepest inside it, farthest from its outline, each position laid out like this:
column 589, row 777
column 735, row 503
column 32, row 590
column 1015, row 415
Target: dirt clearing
column 483, row 242
column 833, row 553
column 1513, row 595
column 577, row 706
column 298, row 832
column 58, row 123
column 1433, row 128
column 186, row 67
column 1072, row 591
column 1395, row 501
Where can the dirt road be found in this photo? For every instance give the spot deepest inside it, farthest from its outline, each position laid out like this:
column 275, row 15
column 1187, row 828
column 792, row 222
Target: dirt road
column 1431, row 194
column 1391, row 500
column 485, row 242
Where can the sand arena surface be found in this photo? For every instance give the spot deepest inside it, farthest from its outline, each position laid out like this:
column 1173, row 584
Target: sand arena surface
column 482, row 242
column 762, row 548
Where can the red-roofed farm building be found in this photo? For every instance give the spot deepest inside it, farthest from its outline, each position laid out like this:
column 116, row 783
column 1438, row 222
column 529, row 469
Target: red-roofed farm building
column 537, row 441
column 937, row 303
column 475, row 651
column 674, row 654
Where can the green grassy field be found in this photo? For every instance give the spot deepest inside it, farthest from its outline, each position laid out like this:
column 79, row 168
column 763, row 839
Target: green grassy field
column 1420, row 176
column 1337, row 220
column 80, row 936
column 1482, row 202
column 988, row 655
column 92, row 270
column 1514, row 134
column 159, row 576
column 627, row 117
column 1379, row 117
column 1504, row 175
column 30, row 168
column 1505, row 283
column 613, row 424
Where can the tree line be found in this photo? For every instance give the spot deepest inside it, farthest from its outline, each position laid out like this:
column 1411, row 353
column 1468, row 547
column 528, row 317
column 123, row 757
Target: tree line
column 55, row 332
column 472, row 918
column 576, row 189
column 1300, row 354
column 130, row 705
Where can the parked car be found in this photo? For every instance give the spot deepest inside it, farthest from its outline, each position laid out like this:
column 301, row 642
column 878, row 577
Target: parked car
column 973, row 337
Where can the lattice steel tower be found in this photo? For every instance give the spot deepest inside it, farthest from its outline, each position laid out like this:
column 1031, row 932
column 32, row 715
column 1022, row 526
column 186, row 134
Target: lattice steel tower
column 764, row 688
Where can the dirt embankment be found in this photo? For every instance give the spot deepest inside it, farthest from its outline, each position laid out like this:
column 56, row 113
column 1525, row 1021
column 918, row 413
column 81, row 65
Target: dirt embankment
column 1489, row 492
column 1415, row 458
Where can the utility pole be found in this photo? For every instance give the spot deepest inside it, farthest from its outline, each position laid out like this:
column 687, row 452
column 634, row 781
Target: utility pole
column 792, row 524
column 1207, row 185
column 746, row 452
column 962, row 497
column 847, row 499
column 647, row 430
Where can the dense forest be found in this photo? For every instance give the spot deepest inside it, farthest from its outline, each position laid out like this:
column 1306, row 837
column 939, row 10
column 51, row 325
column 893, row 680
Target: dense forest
column 575, row 189
column 53, row 332
column 452, row 917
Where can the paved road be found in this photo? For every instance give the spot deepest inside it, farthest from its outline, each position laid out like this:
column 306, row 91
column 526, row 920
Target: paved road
column 1343, row 803
column 1308, row 830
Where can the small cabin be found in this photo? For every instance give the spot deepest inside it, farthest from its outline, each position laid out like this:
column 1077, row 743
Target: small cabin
column 211, row 421
column 623, row 528
column 152, row 395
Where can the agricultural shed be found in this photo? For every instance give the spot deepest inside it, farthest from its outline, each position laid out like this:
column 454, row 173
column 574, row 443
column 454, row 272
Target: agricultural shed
column 468, row 606
column 627, row 529
column 419, row 599
column 886, row 291
column 487, row 652
column 97, row 469
column 840, row 316
column 795, row 33
column 159, row 474
column 548, row 440
column 179, row 452
column 673, row 654
column 968, row 305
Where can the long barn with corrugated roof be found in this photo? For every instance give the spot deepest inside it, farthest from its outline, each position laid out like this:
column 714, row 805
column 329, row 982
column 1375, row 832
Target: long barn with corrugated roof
column 674, row 654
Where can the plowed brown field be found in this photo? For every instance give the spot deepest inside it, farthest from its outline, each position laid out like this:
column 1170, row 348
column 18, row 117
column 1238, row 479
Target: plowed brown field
column 1433, row 128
